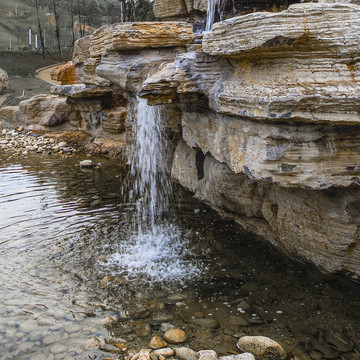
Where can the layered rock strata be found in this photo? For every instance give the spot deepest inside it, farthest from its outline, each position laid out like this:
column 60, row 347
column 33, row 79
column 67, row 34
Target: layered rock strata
column 274, row 140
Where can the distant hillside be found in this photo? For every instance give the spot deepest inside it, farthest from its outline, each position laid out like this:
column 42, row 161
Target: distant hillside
column 16, row 16
column 15, row 19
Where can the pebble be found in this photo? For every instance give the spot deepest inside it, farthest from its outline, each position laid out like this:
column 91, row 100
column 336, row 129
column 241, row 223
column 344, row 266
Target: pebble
column 86, row 164
column 28, row 326
column 166, row 327
column 175, row 336
column 57, row 349
column 185, row 353
column 207, row 355
column 261, row 347
column 143, row 330
column 157, row 343
column 166, row 352
column 71, row 328
column 141, row 355
column 243, row 356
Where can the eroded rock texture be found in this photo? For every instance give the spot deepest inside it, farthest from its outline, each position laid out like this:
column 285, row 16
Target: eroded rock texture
column 273, row 140
column 319, row 227
column 4, row 80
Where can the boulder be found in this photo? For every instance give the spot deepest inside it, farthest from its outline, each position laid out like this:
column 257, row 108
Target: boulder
column 4, row 80
column 263, row 348
column 136, row 36
column 65, row 74
column 47, row 110
column 320, row 227
column 290, row 65
column 81, row 50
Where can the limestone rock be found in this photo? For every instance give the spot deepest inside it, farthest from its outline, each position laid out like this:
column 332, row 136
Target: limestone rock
column 290, row 64
column 263, row 348
column 65, row 74
column 200, row 5
column 46, row 110
column 114, row 148
column 175, row 336
column 10, row 116
column 113, row 120
column 89, row 75
column 4, row 80
column 300, row 25
column 294, row 155
column 81, row 50
column 135, row 36
column 129, row 69
column 170, row 8
column 320, row 227
column 79, row 90
column 193, row 72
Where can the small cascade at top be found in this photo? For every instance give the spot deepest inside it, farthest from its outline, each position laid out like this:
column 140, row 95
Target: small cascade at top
column 214, row 5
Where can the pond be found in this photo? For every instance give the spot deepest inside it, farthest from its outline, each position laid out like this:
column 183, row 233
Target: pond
column 72, row 274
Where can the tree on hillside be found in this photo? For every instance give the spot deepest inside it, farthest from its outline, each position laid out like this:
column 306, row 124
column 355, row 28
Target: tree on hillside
column 42, row 43
column 54, row 7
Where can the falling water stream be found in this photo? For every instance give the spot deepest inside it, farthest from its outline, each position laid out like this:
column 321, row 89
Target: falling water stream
column 88, row 257
column 213, row 7
column 156, row 247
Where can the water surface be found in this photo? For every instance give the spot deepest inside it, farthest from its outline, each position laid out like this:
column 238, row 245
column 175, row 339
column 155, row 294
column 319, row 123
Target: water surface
column 68, row 261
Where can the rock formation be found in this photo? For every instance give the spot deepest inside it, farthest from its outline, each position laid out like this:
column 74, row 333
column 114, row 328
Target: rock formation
column 262, row 116
column 4, row 80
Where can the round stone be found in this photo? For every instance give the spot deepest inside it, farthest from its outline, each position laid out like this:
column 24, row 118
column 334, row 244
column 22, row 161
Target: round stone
column 157, row 343
column 166, row 352
column 261, row 347
column 185, row 353
column 86, row 164
column 175, row 336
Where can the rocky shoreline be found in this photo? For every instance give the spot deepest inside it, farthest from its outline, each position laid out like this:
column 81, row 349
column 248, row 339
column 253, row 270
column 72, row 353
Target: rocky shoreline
column 170, row 346
column 21, row 142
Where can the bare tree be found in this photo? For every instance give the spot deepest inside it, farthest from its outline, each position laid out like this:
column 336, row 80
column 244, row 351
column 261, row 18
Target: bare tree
column 54, row 8
column 42, row 43
column 71, row 12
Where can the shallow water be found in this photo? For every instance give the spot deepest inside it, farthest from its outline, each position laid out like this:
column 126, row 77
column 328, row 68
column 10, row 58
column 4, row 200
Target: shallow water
column 68, row 261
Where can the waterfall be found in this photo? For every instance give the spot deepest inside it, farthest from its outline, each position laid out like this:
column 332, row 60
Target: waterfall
column 152, row 188
column 152, row 248
column 210, row 13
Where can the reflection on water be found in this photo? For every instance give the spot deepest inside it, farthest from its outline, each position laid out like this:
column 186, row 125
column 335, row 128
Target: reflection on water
column 67, row 264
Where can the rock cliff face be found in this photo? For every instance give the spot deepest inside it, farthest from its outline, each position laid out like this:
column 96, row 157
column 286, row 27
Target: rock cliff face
column 263, row 116
column 273, row 142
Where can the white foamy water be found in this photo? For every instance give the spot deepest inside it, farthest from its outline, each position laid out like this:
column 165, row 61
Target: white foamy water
column 213, row 6
column 158, row 255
